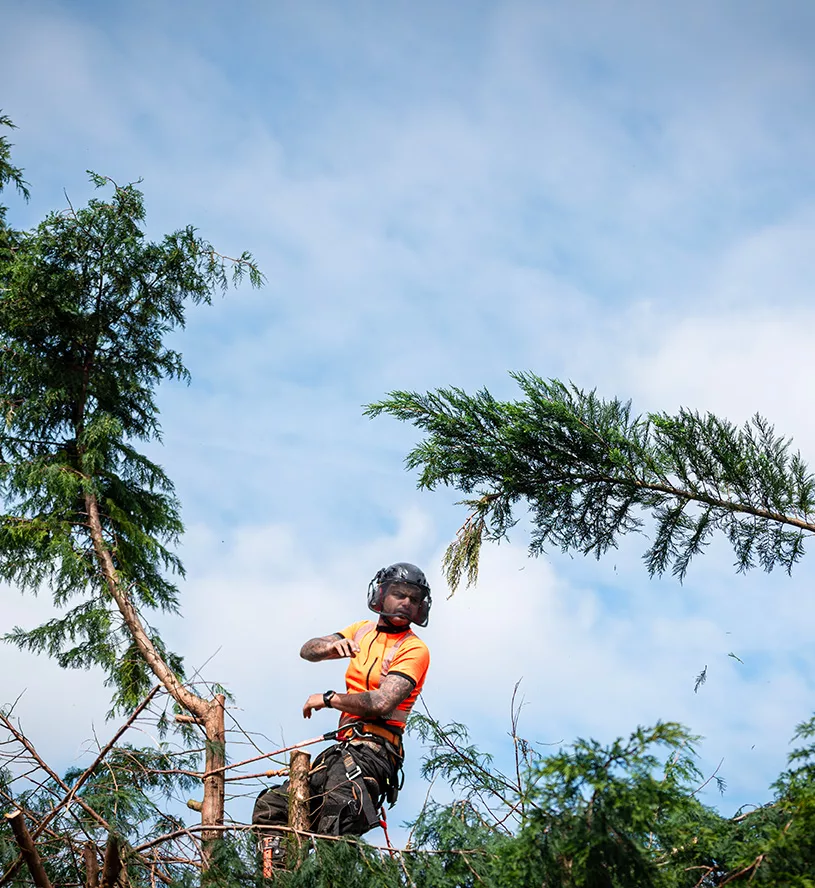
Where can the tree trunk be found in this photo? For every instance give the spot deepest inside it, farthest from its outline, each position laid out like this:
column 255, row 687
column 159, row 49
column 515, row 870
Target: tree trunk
column 299, row 802
column 91, row 865
column 208, row 712
column 212, row 810
column 112, row 866
column 198, row 706
column 28, row 850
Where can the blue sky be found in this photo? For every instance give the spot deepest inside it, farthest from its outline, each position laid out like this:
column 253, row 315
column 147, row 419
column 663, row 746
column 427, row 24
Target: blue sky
column 618, row 194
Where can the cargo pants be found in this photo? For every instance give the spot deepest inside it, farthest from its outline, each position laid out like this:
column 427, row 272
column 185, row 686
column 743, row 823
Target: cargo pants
column 340, row 779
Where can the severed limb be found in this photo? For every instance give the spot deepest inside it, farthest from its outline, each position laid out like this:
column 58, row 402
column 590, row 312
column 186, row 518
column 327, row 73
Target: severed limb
column 91, row 865
column 28, row 849
column 70, row 791
column 112, row 866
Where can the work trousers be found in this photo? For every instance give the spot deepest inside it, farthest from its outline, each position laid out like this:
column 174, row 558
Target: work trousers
column 337, row 805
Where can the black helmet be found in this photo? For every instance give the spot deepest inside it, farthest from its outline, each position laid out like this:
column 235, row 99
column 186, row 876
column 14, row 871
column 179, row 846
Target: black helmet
column 401, row 572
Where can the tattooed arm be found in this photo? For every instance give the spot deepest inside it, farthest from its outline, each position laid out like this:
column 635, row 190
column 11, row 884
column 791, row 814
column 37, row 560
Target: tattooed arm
column 329, row 647
column 368, row 704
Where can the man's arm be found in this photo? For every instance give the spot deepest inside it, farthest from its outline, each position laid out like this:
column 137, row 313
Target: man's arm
column 368, row 704
column 329, row 647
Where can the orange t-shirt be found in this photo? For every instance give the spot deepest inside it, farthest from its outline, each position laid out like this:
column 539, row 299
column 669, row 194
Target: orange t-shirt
column 410, row 660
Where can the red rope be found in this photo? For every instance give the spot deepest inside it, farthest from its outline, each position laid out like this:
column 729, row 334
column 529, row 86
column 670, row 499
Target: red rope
column 383, row 822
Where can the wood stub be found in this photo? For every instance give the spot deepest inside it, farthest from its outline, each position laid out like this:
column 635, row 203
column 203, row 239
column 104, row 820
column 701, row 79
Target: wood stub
column 189, row 720
column 91, row 865
column 299, row 792
column 32, row 859
column 112, row 867
column 299, row 801
column 212, row 808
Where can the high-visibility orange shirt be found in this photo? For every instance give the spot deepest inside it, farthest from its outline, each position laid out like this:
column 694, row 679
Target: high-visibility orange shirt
column 410, row 660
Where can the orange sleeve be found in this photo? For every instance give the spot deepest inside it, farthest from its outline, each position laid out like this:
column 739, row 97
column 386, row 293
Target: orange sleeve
column 412, row 660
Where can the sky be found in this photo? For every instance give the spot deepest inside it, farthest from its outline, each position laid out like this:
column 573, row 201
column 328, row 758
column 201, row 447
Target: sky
column 616, row 194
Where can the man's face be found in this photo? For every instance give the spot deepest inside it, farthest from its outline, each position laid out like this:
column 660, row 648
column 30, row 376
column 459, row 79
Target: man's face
column 404, row 600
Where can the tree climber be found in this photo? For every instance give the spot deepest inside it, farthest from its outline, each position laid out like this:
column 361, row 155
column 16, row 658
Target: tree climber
column 387, row 666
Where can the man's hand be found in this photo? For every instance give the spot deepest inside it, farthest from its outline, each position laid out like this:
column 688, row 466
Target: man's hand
column 314, row 702
column 345, row 647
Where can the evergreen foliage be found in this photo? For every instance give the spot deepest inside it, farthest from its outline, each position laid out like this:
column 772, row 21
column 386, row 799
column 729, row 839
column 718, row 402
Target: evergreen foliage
column 591, row 471
column 614, row 816
column 86, row 305
column 9, row 174
column 620, row 815
column 125, row 791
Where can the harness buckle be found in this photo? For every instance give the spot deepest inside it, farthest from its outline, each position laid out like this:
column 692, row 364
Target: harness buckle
column 352, row 768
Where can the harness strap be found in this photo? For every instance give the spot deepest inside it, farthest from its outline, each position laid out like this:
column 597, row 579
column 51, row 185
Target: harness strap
column 365, row 731
column 354, row 774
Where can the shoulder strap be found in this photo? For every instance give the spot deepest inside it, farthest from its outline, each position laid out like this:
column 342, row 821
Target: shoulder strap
column 363, row 630
column 391, row 653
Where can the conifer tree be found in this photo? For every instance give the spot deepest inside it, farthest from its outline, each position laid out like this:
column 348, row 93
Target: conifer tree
column 86, row 304
column 591, row 471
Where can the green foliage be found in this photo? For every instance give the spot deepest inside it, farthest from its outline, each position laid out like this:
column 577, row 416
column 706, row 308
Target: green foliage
column 127, row 789
column 591, row 471
column 612, row 816
column 326, row 863
column 454, row 758
column 586, row 815
column 86, row 307
column 127, row 794
column 603, row 810
column 589, row 815
column 9, row 174
column 791, row 850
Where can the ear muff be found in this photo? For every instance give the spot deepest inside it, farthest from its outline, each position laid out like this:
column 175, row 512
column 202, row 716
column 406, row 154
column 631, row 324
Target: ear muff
column 376, row 592
column 423, row 615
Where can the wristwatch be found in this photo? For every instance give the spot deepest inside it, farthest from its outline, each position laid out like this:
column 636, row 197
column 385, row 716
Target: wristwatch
column 327, row 695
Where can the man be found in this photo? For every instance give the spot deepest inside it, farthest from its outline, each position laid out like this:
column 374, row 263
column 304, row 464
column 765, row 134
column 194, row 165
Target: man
column 385, row 675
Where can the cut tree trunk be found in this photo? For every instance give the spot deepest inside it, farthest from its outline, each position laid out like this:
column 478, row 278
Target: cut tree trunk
column 112, row 867
column 212, row 810
column 91, row 865
column 299, row 802
column 210, row 713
